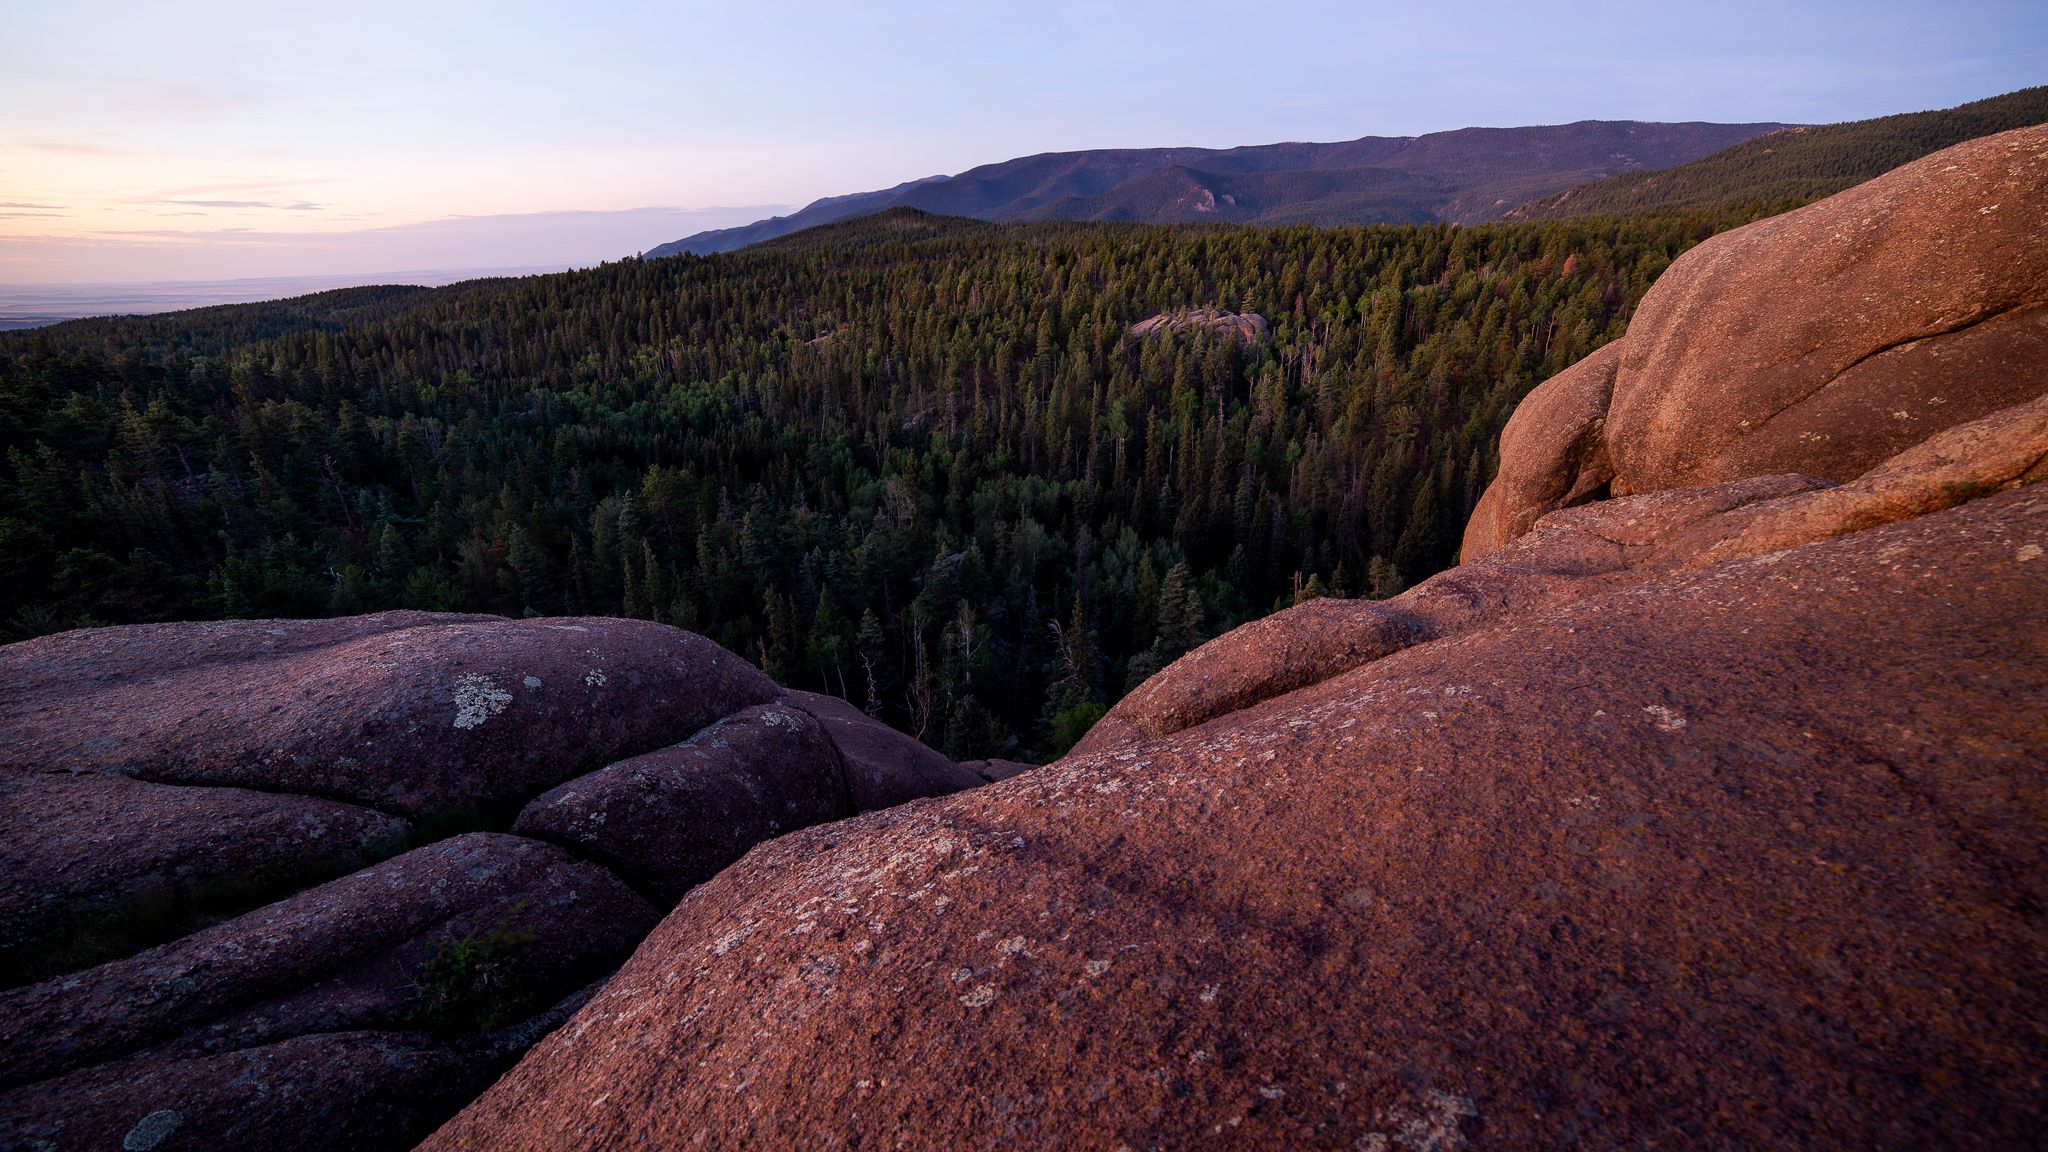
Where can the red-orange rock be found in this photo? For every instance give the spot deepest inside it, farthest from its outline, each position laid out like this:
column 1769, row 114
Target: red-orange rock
column 2005, row 449
column 411, row 714
column 1830, row 338
column 1300, row 645
column 1553, row 453
column 1249, row 327
column 1568, row 555
column 1823, row 342
column 1744, row 856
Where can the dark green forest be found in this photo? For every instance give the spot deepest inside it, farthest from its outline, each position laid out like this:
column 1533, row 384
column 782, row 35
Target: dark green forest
column 914, row 461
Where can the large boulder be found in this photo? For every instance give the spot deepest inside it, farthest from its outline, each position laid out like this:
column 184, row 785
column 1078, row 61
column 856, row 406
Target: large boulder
column 1823, row 341
column 1832, row 337
column 282, row 1095
column 1567, row 555
column 348, row 1091
column 2006, row 449
column 1769, row 831
column 1553, row 453
column 1248, row 327
column 419, row 716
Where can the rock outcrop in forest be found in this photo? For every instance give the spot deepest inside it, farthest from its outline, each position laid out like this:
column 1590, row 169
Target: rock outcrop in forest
column 312, row 884
column 1705, row 814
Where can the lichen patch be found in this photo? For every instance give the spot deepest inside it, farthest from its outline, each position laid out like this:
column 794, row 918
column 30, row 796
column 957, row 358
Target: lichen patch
column 477, row 699
column 1664, row 718
column 150, row 1131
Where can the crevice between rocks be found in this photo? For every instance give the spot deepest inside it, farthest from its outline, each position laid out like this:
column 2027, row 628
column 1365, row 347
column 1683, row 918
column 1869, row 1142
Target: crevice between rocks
column 1951, row 330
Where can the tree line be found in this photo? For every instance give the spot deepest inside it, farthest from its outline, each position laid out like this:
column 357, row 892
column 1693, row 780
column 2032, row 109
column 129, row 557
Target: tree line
column 920, row 465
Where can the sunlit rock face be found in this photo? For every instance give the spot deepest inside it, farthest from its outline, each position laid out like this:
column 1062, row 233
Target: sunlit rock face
column 1823, row 341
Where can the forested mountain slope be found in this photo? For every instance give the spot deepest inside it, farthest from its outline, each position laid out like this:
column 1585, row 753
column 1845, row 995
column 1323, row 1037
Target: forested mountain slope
column 922, row 464
column 1466, row 176
column 1794, row 165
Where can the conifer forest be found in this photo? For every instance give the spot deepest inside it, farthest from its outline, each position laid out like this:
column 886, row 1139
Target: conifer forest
column 922, row 463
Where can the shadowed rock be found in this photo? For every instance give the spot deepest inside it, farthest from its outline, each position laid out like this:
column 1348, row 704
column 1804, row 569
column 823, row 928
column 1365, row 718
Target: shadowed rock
column 338, row 1091
column 370, row 950
column 1769, row 831
column 884, row 767
column 668, row 820
column 420, row 716
column 363, row 1011
column 344, row 1091
column 994, row 770
column 94, row 866
column 360, row 1013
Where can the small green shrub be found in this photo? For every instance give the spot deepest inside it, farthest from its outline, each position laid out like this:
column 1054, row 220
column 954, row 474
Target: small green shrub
column 473, row 983
column 1070, row 724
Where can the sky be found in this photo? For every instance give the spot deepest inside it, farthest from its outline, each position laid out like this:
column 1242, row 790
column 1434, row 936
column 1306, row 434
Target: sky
column 209, row 140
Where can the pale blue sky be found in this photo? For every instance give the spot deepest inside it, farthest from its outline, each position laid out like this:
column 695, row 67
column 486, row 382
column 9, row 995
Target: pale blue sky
column 149, row 141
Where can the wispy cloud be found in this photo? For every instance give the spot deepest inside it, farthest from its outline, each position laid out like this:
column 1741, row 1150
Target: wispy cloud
column 276, row 205
column 40, row 207
column 30, row 215
column 533, row 239
column 242, row 184
column 75, row 147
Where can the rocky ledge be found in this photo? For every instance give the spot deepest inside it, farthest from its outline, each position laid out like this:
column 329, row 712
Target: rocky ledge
column 1245, row 327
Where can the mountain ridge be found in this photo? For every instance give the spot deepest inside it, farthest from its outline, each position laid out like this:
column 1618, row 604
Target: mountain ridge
column 1465, row 175
column 1793, row 165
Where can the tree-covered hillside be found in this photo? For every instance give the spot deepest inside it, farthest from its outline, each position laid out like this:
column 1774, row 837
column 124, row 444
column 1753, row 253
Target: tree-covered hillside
column 917, row 462
column 1794, row 165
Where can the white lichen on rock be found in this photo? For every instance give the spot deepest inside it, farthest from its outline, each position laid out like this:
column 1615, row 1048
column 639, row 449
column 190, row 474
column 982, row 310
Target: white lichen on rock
column 150, row 1131
column 1665, row 719
column 477, row 699
column 1438, row 1126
